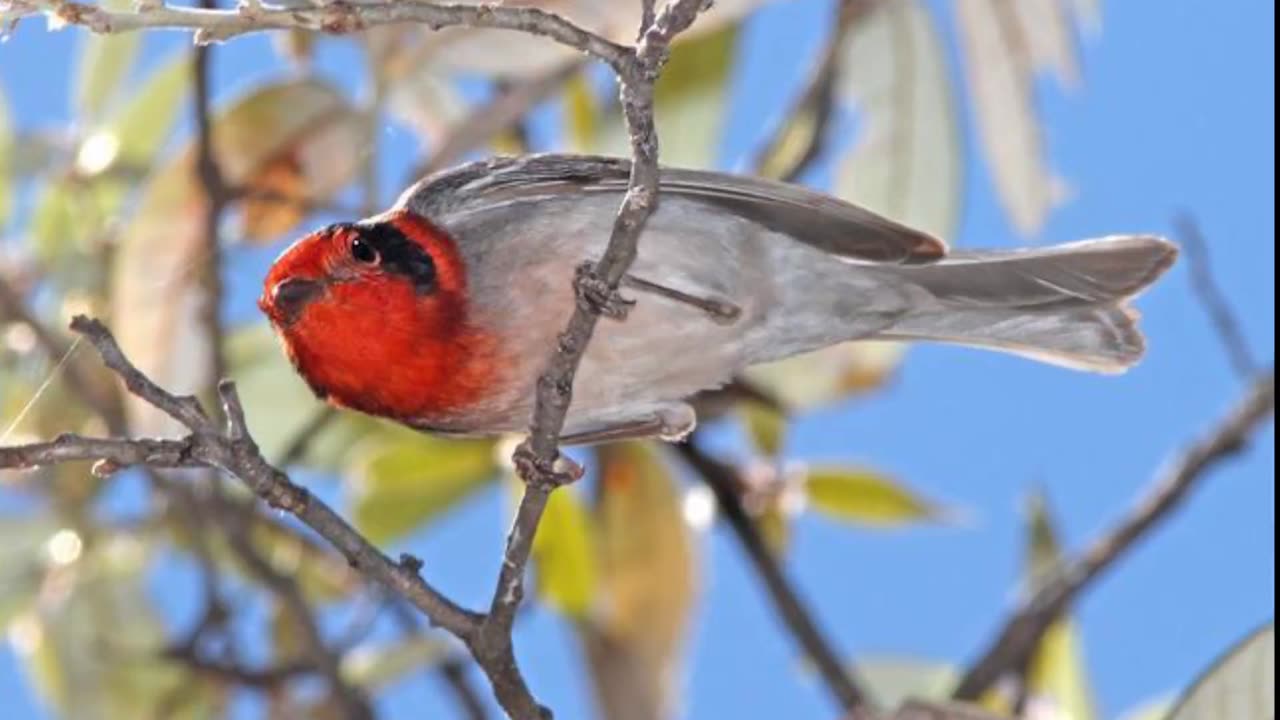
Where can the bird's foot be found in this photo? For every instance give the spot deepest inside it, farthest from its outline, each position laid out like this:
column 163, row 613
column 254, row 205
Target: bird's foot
column 533, row 469
column 596, row 294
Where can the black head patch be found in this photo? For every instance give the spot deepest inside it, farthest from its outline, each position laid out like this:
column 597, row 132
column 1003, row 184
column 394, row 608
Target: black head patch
column 397, row 253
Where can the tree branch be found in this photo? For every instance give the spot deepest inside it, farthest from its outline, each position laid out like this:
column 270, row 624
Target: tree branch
column 1022, row 631
column 233, row 451
column 1212, row 298
column 337, row 17
column 836, row 673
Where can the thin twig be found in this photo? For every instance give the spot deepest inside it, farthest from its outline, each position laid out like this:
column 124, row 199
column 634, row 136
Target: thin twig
column 300, row 444
column 537, row 459
column 1213, row 299
column 331, row 17
column 1022, row 631
column 723, row 481
column 210, row 180
column 236, row 454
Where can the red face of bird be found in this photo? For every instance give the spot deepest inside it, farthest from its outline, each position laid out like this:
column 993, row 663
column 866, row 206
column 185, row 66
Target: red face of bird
column 359, row 305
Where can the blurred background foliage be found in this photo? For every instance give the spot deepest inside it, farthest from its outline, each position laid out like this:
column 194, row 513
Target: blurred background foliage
column 107, row 215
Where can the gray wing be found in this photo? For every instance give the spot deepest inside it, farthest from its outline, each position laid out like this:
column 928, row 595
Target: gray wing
column 810, row 217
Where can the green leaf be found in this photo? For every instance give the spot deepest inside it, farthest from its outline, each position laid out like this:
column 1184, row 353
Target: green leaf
column 829, row 375
column 564, row 553
column 105, row 60
column 892, row 681
column 1240, row 684
column 399, row 484
column 765, row 426
column 7, row 170
column 867, row 497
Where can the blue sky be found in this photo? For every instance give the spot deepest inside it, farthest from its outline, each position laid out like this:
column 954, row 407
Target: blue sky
column 1177, row 112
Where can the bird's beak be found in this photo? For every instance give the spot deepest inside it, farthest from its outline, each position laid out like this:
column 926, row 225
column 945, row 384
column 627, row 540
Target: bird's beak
column 285, row 300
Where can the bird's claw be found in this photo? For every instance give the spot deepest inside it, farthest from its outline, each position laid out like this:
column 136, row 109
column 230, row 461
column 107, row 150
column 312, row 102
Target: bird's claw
column 531, row 468
column 596, row 294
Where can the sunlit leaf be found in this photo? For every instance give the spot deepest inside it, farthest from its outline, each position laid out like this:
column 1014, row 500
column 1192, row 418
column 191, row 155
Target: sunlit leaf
column 999, row 73
column 398, row 484
column 423, row 98
column 765, row 426
column 137, row 130
column 564, row 554
column 1046, row 26
column 828, row 375
column 276, row 200
column 689, row 102
column 377, row 666
column 1241, row 684
column 893, row 681
column 867, row 497
column 158, row 296
column 648, row 581
column 288, row 640
column 906, row 162
column 7, row 170
column 1154, row 710
column 1057, row 679
column 105, row 60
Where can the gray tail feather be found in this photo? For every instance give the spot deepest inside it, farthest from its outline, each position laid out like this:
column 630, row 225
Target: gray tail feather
column 1066, row 305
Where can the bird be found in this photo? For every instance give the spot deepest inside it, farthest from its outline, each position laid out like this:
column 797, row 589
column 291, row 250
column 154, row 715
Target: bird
column 440, row 312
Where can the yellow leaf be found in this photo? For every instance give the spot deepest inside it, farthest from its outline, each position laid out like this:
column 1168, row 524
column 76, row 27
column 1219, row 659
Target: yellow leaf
column 1057, row 677
column 564, row 554
column 397, row 485
column 580, row 112
column 648, row 579
column 766, row 427
column 6, row 161
column 867, row 497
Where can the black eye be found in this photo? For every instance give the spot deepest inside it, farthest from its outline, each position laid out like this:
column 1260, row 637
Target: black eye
column 363, row 252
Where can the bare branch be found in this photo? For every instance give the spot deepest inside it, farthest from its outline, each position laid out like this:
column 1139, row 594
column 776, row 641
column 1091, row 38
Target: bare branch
column 538, row 460
column 1022, row 631
column 836, row 673
column 337, row 17
column 1214, row 300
